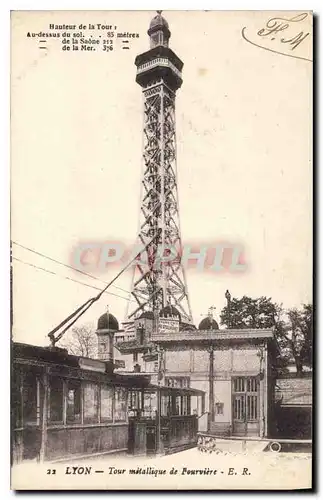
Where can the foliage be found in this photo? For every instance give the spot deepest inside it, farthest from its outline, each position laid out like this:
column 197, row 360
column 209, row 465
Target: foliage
column 296, row 339
column 293, row 328
column 250, row 313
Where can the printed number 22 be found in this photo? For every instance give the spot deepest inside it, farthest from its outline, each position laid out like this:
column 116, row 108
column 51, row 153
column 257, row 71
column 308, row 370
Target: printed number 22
column 51, row 471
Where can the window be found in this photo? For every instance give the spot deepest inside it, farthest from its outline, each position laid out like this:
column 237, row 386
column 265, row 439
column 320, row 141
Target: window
column 239, row 384
column 150, row 404
column 252, row 384
column 186, row 405
column 16, row 397
column 239, row 408
column 166, row 405
column 177, row 405
column 219, row 408
column 55, row 400
column 120, row 404
column 156, row 366
column 30, row 398
column 134, row 400
column 91, row 403
column 245, row 399
column 154, row 39
column 107, row 394
column 180, row 382
column 135, row 357
column 247, row 384
column 73, row 403
column 252, row 407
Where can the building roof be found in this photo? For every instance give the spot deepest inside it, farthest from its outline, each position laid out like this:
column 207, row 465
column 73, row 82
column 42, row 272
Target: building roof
column 200, row 337
column 108, row 322
column 146, row 315
column 130, row 346
column 170, row 311
column 56, row 355
column 208, row 324
column 158, row 22
column 205, row 336
column 176, row 391
column 59, row 363
column 187, row 326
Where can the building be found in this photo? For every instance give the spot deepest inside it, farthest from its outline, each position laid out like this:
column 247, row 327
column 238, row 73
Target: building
column 66, row 407
column 233, row 367
column 294, row 406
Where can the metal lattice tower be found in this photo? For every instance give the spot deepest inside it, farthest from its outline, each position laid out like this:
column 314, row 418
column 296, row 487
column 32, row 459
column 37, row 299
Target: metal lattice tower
column 153, row 286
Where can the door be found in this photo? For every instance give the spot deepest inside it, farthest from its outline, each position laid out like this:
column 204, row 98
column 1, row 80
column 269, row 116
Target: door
column 140, row 439
column 151, row 439
column 245, row 406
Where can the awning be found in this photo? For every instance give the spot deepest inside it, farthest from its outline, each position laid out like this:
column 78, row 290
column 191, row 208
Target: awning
column 171, row 391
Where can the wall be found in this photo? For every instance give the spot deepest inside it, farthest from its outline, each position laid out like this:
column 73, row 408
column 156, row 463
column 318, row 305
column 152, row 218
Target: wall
column 63, row 443
column 229, row 361
column 177, row 360
column 246, row 361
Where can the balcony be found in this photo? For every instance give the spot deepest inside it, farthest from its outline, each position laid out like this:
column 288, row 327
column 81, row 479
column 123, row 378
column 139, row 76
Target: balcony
column 159, row 61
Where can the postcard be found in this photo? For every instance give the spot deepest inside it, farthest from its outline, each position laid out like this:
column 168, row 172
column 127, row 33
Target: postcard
column 161, row 250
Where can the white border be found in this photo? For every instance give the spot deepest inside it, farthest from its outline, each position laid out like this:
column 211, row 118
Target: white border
column 5, row 8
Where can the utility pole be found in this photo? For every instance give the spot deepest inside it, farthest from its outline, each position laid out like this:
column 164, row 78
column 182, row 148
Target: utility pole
column 228, row 297
column 211, row 383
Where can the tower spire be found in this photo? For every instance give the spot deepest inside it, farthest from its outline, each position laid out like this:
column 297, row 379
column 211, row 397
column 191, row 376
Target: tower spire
column 154, row 286
column 158, row 31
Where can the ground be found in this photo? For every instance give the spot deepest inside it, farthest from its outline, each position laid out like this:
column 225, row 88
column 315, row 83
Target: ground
column 189, row 469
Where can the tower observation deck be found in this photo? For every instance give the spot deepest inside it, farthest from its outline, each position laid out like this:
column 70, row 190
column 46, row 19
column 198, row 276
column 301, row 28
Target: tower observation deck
column 158, row 284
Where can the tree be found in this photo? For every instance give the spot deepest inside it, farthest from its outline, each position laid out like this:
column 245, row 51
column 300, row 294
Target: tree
column 307, row 328
column 297, row 337
column 81, row 341
column 293, row 328
column 250, row 313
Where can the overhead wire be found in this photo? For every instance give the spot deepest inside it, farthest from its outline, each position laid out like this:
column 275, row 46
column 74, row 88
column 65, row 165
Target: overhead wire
column 65, row 265
column 82, row 309
column 86, row 305
column 68, row 278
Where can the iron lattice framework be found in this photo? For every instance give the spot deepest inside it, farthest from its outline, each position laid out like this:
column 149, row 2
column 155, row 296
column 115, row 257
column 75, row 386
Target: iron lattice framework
column 159, row 284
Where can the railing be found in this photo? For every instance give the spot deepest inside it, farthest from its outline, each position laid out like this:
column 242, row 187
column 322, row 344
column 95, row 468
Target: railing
column 208, row 443
column 160, row 61
column 176, row 433
column 179, row 431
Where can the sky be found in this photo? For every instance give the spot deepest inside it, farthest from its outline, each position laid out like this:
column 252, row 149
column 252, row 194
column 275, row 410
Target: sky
column 243, row 121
